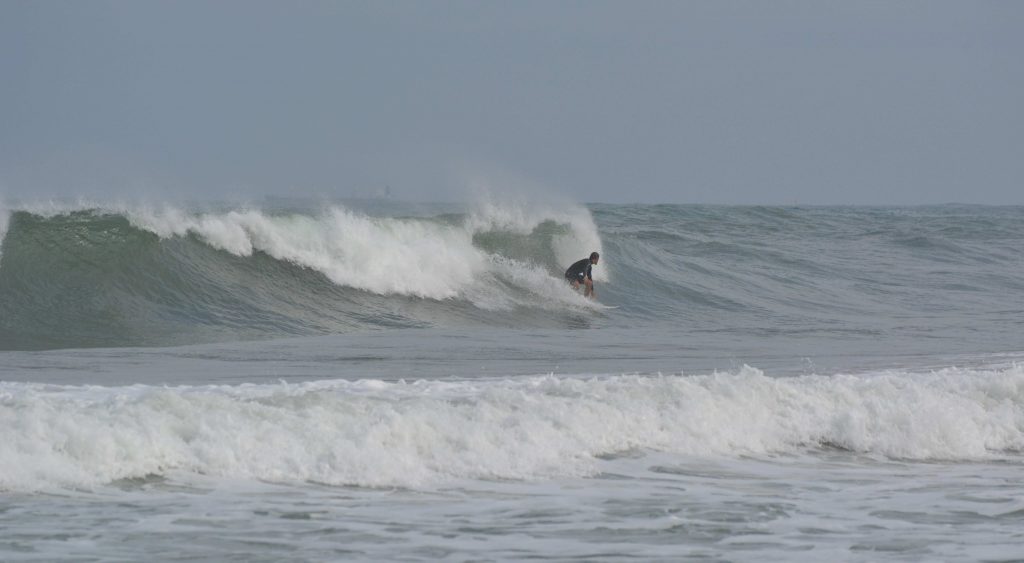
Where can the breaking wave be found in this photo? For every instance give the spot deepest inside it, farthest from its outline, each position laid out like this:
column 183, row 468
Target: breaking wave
column 86, row 276
column 380, row 434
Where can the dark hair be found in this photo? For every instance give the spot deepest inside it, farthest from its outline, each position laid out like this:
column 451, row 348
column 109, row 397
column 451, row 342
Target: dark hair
column 594, row 256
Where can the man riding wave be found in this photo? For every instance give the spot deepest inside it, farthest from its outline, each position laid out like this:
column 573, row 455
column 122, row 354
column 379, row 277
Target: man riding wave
column 579, row 273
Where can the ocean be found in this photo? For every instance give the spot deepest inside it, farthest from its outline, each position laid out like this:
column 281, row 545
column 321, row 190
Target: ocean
column 374, row 380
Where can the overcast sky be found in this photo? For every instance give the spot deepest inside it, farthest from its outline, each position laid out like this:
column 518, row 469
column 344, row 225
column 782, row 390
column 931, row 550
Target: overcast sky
column 686, row 102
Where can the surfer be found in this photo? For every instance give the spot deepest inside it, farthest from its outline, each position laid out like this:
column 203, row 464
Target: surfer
column 579, row 273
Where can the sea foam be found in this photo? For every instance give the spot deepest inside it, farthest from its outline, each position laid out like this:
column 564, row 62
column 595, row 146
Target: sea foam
column 388, row 255
column 425, row 433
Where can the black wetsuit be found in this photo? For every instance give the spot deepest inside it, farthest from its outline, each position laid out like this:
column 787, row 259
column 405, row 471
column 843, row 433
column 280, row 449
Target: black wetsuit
column 579, row 271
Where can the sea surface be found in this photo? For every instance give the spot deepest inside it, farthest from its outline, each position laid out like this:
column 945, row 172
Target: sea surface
column 373, row 380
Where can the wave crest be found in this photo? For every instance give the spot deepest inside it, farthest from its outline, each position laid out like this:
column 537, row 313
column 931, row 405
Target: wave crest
column 382, row 255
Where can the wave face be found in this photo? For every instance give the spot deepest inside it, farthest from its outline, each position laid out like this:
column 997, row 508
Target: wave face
column 130, row 276
column 379, row 434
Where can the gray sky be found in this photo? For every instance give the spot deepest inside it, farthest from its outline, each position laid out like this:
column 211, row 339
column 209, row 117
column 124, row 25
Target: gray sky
column 724, row 102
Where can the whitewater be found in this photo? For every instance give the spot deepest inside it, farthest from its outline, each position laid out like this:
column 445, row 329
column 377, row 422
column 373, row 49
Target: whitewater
column 381, row 380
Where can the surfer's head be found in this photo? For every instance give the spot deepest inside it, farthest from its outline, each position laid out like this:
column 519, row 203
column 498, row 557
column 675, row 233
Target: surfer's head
column 594, row 257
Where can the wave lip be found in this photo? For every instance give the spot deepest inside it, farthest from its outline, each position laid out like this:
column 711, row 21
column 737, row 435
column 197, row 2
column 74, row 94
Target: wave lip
column 377, row 434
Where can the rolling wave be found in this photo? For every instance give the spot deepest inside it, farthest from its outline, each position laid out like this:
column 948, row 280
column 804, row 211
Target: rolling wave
column 131, row 276
column 379, row 434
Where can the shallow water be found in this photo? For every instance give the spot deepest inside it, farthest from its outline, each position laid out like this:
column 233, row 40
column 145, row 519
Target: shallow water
column 652, row 507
